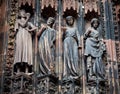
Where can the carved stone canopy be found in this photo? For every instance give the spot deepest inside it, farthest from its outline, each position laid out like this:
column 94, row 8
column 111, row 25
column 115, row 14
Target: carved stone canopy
column 68, row 4
column 91, row 15
column 48, row 12
column 30, row 2
column 70, row 7
column 48, row 8
column 28, row 8
column 47, row 3
column 91, row 5
column 70, row 12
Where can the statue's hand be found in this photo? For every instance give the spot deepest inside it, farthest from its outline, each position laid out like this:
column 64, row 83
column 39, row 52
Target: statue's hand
column 28, row 15
column 63, row 28
column 27, row 29
column 43, row 26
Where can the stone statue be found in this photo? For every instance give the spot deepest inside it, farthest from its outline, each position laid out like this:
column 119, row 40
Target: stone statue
column 71, row 44
column 94, row 50
column 23, row 29
column 47, row 36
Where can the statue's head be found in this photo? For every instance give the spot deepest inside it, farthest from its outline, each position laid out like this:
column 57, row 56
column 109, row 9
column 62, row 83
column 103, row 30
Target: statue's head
column 50, row 21
column 70, row 20
column 95, row 23
column 22, row 13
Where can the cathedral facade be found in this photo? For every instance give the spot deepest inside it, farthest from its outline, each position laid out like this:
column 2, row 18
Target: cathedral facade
column 60, row 47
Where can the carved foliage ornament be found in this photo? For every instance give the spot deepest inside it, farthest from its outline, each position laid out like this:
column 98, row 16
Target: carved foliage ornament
column 10, row 50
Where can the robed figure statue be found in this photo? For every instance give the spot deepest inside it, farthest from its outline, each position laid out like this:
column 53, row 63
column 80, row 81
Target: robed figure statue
column 23, row 45
column 46, row 46
column 71, row 43
column 94, row 50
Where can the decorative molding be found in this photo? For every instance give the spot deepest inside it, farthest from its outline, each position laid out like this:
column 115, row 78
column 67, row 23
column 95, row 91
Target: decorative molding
column 116, row 19
column 10, row 50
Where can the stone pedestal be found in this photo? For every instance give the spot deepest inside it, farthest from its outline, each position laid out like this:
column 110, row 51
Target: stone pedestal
column 97, row 87
column 47, row 84
column 22, row 83
column 71, row 86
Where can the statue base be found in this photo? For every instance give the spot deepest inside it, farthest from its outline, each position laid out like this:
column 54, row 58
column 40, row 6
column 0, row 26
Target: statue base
column 22, row 83
column 47, row 84
column 71, row 86
column 97, row 86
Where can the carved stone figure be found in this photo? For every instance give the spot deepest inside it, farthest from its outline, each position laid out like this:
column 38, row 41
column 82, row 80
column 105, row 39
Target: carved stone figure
column 71, row 45
column 94, row 49
column 24, row 30
column 46, row 46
